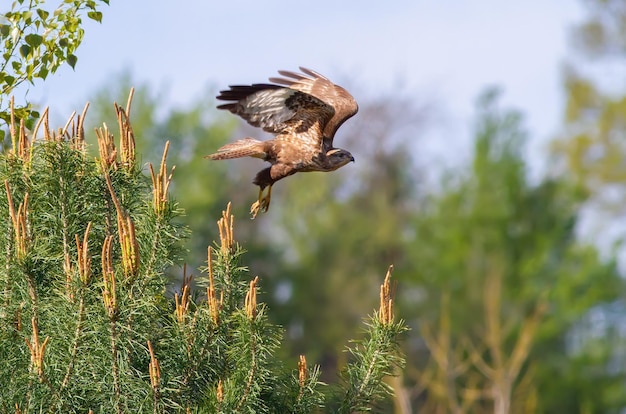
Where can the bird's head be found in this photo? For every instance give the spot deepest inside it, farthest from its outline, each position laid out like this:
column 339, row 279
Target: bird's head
column 338, row 157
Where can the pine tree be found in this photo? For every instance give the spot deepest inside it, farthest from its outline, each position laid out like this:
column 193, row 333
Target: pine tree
column 87, row 322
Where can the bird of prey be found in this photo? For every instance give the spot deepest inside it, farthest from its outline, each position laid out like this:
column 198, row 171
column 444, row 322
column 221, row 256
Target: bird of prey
column 303, row 111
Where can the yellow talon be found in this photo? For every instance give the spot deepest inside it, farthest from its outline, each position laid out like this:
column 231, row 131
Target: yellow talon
column 262, row 204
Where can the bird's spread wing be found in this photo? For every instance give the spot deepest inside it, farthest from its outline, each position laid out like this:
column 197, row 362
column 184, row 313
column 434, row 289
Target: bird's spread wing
column 320, row 87
column 276, row 109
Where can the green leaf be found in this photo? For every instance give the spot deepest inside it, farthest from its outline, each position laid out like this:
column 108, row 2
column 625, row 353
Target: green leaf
column 95, row 15
column 43, row 73
column 5, row 29
column 27, row 16
column 21, row 112
column 25, row 50
column 71, row 60
column 16, row 65
column 34, row 40
column 32, row 119
column 63, row 42
column 43, row 14
column 9, row 80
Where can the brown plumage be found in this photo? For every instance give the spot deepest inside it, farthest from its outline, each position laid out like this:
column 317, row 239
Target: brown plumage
column 303, row 111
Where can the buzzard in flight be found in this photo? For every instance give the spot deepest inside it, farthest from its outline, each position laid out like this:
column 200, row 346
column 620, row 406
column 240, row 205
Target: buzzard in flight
column 303, row 111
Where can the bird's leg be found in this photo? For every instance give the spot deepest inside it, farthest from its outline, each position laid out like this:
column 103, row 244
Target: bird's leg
column 263, row 202
column 267, row 199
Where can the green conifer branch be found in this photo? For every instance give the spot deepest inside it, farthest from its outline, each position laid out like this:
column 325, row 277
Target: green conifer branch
column 75, row 343
column 375, row 357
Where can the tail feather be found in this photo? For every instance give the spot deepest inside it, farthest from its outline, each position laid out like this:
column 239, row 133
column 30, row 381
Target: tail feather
column 247, row 147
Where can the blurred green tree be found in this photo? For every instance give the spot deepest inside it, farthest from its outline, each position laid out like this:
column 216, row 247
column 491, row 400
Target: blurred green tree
column 499, row 285
column 591, row 148
column 592, row 144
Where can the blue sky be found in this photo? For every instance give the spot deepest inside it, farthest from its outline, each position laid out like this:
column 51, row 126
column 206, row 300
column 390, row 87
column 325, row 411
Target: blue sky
column 445, row 50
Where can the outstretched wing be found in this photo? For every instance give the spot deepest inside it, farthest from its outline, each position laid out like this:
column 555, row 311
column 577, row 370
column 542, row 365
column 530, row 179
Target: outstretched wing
column 275, row 108
column 322, row 88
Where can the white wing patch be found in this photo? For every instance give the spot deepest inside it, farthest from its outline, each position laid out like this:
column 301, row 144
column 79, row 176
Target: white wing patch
column 267, row 108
